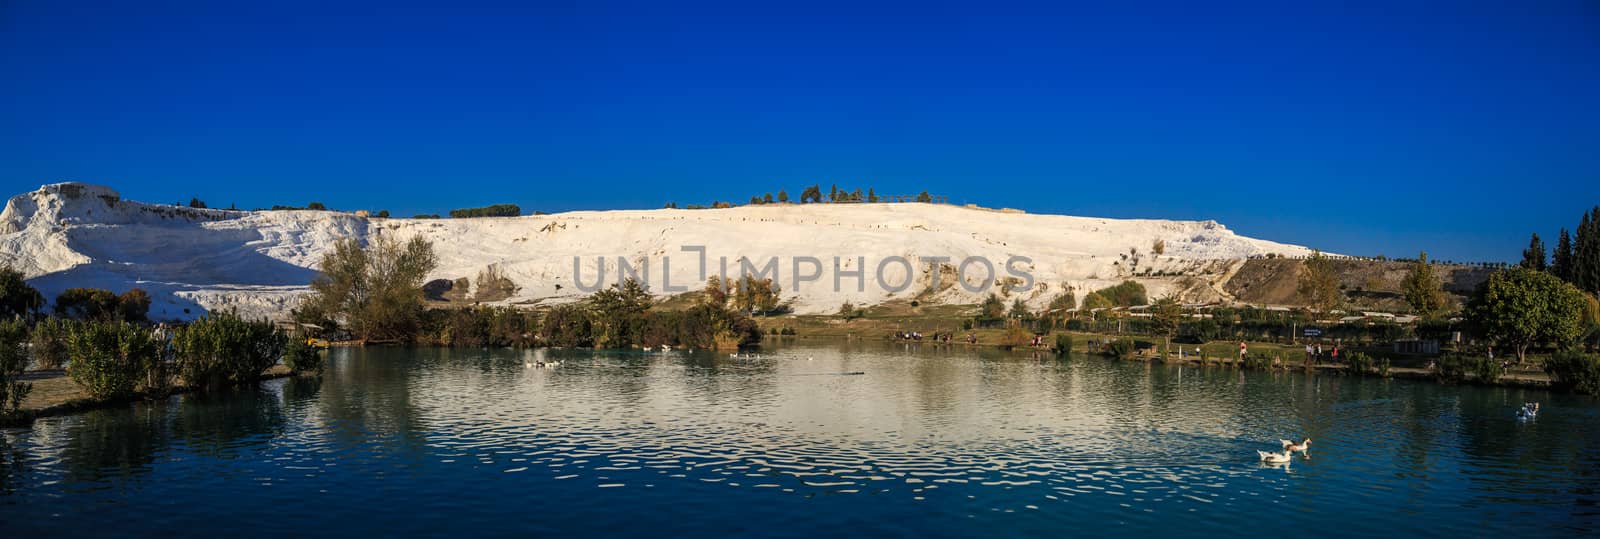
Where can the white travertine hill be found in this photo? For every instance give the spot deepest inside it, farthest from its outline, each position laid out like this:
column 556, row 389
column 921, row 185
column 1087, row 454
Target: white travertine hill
column 192, row 260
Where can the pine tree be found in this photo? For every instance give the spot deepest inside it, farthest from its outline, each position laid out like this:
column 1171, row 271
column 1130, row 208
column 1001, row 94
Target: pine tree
column 1422, row 288
column 871, row 195
column 783, row 196
column 833, row 193
column 1533, row 256
column 1586, row 255
column 1561, row 260
column 767, row 199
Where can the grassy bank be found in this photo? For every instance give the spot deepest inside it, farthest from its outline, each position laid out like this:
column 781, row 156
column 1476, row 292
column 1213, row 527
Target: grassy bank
column 54, row 393
column 881, row 322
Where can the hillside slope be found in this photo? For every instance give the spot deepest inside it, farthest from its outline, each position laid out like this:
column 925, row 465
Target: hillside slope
column 192, row 260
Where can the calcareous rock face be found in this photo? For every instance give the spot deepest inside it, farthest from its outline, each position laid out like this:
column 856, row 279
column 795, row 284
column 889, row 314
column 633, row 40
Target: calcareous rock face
column 194, row 260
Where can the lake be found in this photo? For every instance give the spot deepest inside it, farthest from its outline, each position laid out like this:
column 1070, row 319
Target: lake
column 923, row 442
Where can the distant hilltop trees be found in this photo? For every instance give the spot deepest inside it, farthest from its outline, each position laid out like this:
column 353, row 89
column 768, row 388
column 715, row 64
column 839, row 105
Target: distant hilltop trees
column 815, row 195
column 497, row 210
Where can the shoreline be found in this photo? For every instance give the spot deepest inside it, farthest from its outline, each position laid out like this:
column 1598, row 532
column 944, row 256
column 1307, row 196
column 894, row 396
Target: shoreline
column 55, row 394
column 61, row 396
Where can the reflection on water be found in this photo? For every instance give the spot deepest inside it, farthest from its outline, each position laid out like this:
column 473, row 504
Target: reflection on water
column 928, row 441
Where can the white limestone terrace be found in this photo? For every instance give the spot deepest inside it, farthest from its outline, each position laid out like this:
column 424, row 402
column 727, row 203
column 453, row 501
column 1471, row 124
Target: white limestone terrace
column 192, row 260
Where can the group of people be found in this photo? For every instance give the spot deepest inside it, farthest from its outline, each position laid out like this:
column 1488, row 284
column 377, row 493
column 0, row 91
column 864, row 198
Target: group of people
column 1314, row 352
column 943, row 337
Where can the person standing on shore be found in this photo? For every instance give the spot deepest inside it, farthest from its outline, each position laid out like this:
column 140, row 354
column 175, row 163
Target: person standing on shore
column 1242, row 350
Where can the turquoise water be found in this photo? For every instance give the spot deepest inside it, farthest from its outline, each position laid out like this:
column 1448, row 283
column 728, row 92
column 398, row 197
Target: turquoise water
column 927, row 442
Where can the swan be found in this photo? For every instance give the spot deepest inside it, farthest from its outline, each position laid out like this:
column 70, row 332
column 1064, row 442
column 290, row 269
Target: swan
column 1291, row 447
column 1276, row 458
column 1528, row 411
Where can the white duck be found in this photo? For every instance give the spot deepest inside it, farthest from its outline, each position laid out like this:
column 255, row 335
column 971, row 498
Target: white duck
column 1302, row 447
column 1276, row 458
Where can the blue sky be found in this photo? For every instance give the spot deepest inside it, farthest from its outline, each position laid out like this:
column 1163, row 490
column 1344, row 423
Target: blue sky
column 1378, row 128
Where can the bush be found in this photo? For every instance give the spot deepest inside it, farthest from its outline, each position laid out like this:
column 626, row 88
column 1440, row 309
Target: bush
column 966, row 325
column 49, row 343
column 1575, row 370
column 1063, row 344
column 1258, row 362
column 1450, row 368
column 1120, row 349
column 13, row 360
column 300, row 356
column 1360, row 364
column 109, row 358
column 1486, row 370
column 568, row 326
column 1015, row 337
column 87, row 304
column 16, row 297
column 222, row 347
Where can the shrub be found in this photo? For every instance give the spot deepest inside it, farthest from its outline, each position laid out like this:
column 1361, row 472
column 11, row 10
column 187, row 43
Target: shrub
column 1575, row 370
column 222, row 347
column 1383, row 368
column 300, row 356
column 1120, row 349
column 1450, row 368
column 13, row 360
column 109, row 358
column 569, row 326
column 1360, row 364
column 1063, row 344
column 49, row 343
column 1486, row 370
column 1015, row 337
column 133, row 305
column 87, row 304
column 16, row 297
column 1259, row 362
column 966, row 325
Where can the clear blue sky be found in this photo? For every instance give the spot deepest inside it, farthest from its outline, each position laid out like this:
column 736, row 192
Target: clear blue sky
column 1456, row 127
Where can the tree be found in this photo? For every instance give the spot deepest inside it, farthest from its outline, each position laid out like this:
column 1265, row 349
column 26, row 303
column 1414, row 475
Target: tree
column 924, row 197
column 767, row 199
column 1019, row 310
column 716, row 293
column 316, row 206
column 133, row 305
column 16, row 297
column 1060, row 305
column 375, row 292
column 755, row 200
column 833, row 193
column 197, row 203
column 992, row 308
column 783, row 196
column 87, row 304
column 1561, row 259
column 811, row 194
column 568, row 325
column 1586, row 254
column 1533, row 256
column 620, row 310
column 1520, row 307
column 1319, row 283
column 1422, row 288
column 1159, row 247
column 855, row 196
column 1167, row 313
column 871, row 195
column 381, row 214
column 753, row 295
